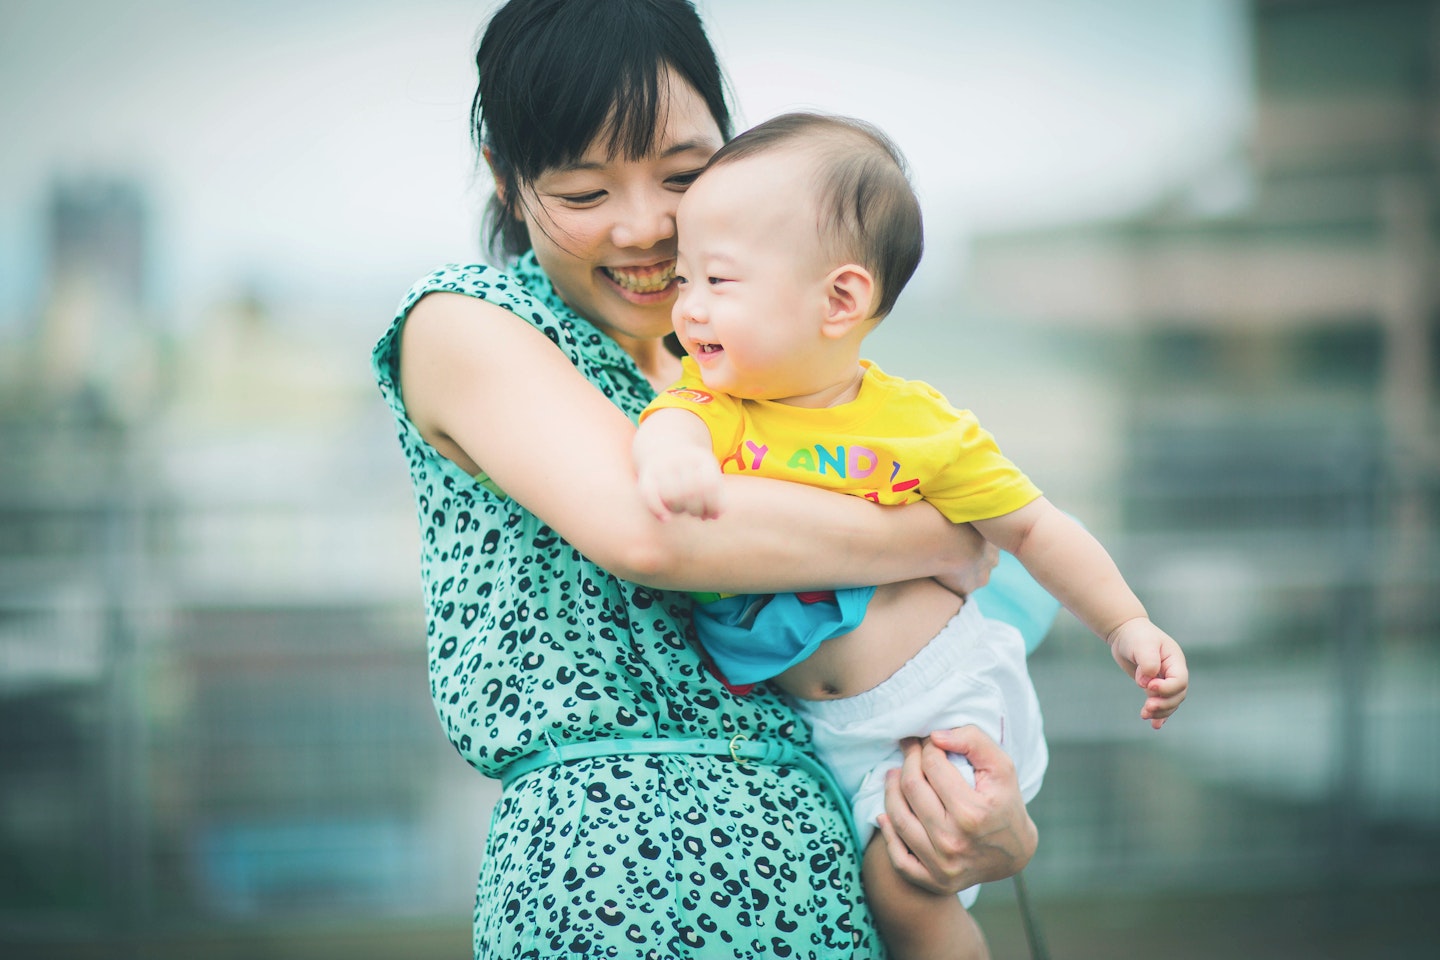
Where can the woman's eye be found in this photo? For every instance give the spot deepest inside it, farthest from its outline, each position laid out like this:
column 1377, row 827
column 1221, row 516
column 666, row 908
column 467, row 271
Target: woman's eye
column 580, row 199
column 684, row 179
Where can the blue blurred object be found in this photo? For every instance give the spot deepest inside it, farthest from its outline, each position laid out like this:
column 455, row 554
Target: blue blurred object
column 753, row 637
column 1012, row 596
column 290, row 865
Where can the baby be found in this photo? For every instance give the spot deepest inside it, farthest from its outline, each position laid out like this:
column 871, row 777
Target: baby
column 793, row 245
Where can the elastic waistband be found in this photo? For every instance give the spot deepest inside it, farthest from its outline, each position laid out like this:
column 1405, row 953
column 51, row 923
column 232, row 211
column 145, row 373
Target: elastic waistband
column 947, row 651
column 740, row 749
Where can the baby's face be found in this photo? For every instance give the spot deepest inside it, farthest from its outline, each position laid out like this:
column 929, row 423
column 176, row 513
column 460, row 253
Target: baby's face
column 752, row 294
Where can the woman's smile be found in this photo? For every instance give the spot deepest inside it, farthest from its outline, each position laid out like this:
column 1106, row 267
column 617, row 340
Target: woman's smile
column 642, row 284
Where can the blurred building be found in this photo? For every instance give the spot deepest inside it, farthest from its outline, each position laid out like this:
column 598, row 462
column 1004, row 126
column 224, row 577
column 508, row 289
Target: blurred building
column 96, row 338
column 1270, row 327
column 213, row 703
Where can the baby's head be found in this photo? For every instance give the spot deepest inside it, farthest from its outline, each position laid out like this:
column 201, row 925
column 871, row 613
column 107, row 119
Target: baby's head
column 798, row 236
column 867, row 210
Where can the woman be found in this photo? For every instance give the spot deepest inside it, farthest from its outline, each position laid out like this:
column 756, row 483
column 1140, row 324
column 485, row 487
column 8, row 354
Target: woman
column 551, row 666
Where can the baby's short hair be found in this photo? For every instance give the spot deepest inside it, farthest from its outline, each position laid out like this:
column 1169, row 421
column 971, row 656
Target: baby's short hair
column 868, row 210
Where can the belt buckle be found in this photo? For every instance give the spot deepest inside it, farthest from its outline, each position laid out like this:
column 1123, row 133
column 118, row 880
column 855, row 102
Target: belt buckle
column 734, row 745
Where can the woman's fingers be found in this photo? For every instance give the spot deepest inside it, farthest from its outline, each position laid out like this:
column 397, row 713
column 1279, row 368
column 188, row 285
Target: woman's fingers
column 944, row 835
column 995, row 836
column 905, row 862
column 906, row 840
column 916, row 786
column 983, row 753
column 900, row 801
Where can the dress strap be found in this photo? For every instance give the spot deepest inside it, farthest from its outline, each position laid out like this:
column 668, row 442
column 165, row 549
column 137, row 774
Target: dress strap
column 739, row 748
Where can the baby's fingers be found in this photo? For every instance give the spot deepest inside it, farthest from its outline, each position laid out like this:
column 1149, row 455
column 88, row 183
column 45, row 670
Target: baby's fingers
column 1157, row 718
column 654, row 501
column 1167, row 687
column 1166, row 695
column 1150, row 664
column 688, row 503
column 708, row 503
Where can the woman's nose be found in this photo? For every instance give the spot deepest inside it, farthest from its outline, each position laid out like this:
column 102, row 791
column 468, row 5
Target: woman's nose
column 646, row 221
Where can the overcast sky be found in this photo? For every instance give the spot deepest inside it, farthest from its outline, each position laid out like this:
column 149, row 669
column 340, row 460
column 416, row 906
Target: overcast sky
column 320, row 146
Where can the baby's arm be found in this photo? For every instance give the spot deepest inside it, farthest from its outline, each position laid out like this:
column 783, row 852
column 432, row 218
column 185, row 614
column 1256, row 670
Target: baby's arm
column 1076, row 569
column 675, row 465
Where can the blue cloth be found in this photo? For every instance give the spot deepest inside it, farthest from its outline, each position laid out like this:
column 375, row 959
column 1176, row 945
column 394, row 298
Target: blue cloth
column 1012, row 596
column 751, row 639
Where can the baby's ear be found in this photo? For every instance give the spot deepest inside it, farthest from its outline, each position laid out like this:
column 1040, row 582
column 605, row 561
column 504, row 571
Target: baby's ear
column 850, row 293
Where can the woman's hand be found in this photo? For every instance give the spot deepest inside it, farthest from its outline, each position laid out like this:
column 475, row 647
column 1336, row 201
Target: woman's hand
column 944, row 835
column 975, row 572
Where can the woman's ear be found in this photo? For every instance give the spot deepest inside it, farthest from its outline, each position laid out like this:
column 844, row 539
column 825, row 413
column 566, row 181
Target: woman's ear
column 849, row 295
column 501, row 183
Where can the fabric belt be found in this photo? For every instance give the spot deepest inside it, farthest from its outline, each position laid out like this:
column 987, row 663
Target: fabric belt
column 739, row 749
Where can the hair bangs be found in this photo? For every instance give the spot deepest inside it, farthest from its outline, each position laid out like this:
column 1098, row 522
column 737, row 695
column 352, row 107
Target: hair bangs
column 637, row 112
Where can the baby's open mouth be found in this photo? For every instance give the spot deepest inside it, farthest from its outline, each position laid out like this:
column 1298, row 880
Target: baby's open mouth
column 707, row 348
column 651, row 279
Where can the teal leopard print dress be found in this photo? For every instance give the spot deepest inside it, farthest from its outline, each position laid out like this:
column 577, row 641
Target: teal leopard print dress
column 530, row 643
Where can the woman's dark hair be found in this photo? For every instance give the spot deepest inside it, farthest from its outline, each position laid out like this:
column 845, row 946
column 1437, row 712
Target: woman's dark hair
column 555, row 74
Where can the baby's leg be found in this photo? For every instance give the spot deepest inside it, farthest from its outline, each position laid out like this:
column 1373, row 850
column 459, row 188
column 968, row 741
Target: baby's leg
column 972, row 672
column 914, row 923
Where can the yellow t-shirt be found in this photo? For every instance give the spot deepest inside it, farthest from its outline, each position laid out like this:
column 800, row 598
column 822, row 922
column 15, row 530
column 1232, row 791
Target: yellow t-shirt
column 898, row 441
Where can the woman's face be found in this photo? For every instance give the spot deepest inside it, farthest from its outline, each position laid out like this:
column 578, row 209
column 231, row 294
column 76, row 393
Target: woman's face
column 604, row 228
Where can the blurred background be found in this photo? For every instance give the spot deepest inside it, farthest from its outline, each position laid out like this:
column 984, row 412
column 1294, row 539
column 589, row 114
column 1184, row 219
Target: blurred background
column 1182, row 261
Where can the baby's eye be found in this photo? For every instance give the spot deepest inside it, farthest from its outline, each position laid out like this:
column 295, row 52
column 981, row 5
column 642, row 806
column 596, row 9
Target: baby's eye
column 681, row 280
column 716, row 280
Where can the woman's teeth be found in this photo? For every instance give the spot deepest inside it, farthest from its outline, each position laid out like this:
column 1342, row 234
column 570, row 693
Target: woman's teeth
column 642, row 279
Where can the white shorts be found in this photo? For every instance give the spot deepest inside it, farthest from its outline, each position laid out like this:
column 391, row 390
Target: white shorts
column 972, row 672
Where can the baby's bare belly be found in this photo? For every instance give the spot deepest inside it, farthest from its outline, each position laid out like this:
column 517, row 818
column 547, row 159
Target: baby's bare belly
column 901, row 619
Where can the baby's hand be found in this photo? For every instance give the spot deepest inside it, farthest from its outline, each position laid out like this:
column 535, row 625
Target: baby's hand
column 1157, row 663
column 684, row 481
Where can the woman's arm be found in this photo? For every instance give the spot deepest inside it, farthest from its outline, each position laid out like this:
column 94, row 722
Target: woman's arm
column 492, row 393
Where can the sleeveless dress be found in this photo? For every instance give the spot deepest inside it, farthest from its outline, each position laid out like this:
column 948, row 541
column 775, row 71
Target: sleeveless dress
column 531, row 644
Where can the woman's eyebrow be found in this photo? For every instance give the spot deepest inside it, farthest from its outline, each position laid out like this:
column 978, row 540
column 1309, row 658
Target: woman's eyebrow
column 580, row 165
column 685, row 146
